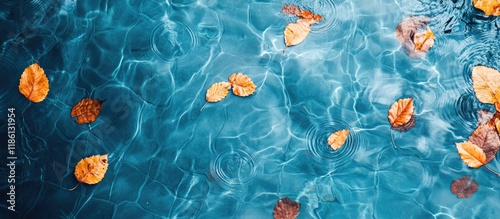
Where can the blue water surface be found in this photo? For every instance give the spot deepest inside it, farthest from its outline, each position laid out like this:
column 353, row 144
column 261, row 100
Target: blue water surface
column 152, row 61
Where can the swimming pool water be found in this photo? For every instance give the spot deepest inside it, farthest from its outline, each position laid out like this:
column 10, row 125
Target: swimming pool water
column 153, row 62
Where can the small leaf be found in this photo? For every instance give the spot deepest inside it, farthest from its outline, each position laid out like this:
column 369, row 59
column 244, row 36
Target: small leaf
column 489, row 7
column 217, row 91
column 87, row 110
column 296, row 33
column 286, row 209
column 471, row 154
column 424, row 41
column 401, row 116
column 337, row 139
column 464, row 187
column 291, row 10
column 242, row 85
column 486, row 137
column 91, row 170
column 415, row 41
column 34, row 84
column 486, row 82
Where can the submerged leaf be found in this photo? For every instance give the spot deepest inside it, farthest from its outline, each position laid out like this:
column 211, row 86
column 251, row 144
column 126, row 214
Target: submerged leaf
column 291, row 10
column 486, row 83
column 337, row 139
column 242, row 84
column 486, row 137
column 286, row 209
column 424, row 41
column 91, row 170
column 489, row 7
column 471, row 154
column 34, row 84
column 464, row 187
column 217, row 91
column 401, row 116
column 87, row 110
column 414, row 40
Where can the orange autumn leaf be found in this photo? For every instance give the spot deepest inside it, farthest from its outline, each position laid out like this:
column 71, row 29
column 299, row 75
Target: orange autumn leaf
column 217, row 91
column 486, row 137
column 401, row 116
column 471, row 154
column 242, row 85
column 87, row 110
column 286, row 209
column 34, row 84
column 91, row 170
column 489, row 7
column 423, row 39
column 296, row 33
column 337, row 139
column 486, row 83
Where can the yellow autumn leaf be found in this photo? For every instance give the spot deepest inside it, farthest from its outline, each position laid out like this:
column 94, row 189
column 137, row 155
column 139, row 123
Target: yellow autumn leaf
column 91, row 170
column 486, row 82
column 337, row 139
column 217, row 92
column 421, row 39
column 489, row 7
column 34, row 84
column 471, row 154
column 296, row 33
column 242, row 85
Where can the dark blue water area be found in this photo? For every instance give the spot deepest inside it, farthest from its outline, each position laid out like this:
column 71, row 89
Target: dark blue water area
column 153, row 62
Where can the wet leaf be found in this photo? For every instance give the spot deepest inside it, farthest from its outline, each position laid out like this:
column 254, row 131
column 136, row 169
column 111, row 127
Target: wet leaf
column 401, row 115
column 489, row 7
column 34, row 84
column 242, row 84
column 302, row 13
column 217, row 91
column 286, row 209
column 291, row 10
column 486, row 82
column 87, row 110
column 471, row 154
column 484, row 116
column 337, row 139
column 91, row 170
column 464, row 187
column 424, row 41
column 296, row 33
column 486, row 137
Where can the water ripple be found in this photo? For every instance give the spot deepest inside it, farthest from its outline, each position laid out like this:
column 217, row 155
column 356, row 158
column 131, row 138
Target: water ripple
column 317, row 143
column 173, row 40
column 233, row 168
column 327, row 9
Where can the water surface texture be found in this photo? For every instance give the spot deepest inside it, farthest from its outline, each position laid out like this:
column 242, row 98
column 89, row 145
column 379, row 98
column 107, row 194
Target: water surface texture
column 153, row 62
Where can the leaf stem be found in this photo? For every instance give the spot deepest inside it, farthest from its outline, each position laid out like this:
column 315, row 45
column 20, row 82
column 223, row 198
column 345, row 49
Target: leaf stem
column 203, row 106
column 75, row 186
column 493, row 171
column 25, row 106
column 392, row 138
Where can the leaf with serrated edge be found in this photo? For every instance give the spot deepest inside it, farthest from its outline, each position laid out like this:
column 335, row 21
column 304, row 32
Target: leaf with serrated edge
column 217, row 91
column 242, row 85
column 34, row 84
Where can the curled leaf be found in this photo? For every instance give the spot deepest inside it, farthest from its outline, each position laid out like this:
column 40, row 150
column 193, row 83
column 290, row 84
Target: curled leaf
column 91, row 170
column 286, row 209
column 415, row 41
column 424, row 41
column 486, row 137
column 486, row 82
column 401, row 116
column 337, row 139
column 296, row 33
column 242, row 84
column 217, row 91
column 87, row 110
column 34, row 84
column 471, row 154
column 464, row 187
column 489, row 7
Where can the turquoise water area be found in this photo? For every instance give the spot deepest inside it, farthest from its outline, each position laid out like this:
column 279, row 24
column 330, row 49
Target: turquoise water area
column 153, row 62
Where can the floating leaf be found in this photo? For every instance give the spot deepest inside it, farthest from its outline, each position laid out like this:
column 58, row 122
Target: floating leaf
column 486, row 82
column 216, row 92
column 286, row 209
column 291, row 10
column 489, row 7
column 486, row 137
column 471, row 154
column 296, row 33
column 424, row 41
column 337, row 139
column 484, row 116
column 91, row 170
column 87, row 110
column 242, row 85
column 34, row 84
column 464, row 187
column 401, row 115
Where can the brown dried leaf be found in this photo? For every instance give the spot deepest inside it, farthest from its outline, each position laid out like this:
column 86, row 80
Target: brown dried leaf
column 409, row 32
column 34, row 84
column 489, row 7
column 286, row 209
column 217, row 91
column 91, row 170
column 471, row 154
column 401, row 116
column 242, row 85
column 87, row 110
column 464, row 187
column 291, row 10
column 484, row 116
column 486, row 83
column 486, row 137
column 337, row 139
